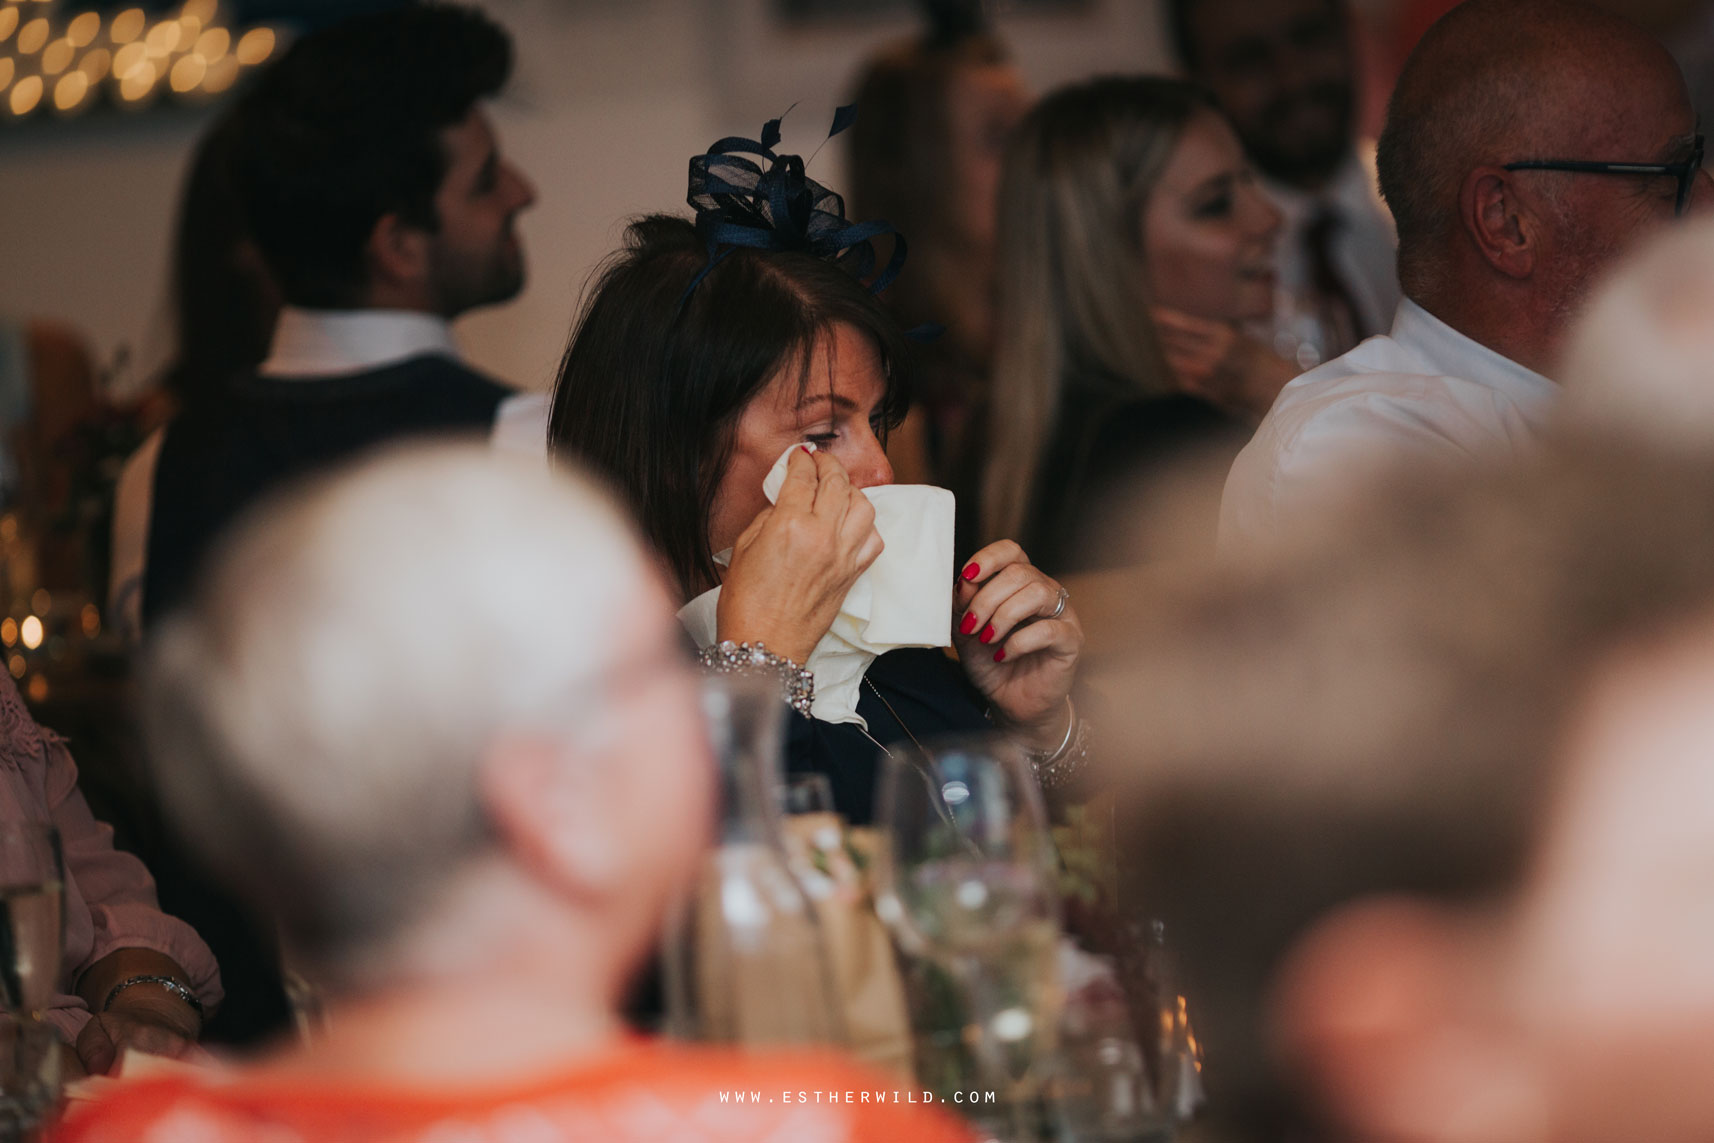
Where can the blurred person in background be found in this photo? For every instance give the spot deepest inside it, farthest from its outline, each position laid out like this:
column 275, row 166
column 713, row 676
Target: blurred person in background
column 224, row 309
column 1128, row 217
column 1285, row 74
column 1485, row 159
column 470, row 811
column 373, row 185
column 130, row 977
column 934, row 114
column 697, row 368
column 1423, row 797
column 224, row 305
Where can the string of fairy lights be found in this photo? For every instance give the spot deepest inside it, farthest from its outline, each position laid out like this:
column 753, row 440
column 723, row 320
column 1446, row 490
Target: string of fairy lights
column 64, row 64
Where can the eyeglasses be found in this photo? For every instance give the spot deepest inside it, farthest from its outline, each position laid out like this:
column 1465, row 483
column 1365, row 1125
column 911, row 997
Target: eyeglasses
column 1685, row 172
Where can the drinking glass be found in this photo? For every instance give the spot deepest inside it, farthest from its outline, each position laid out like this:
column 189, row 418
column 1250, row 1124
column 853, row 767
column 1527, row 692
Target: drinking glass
column 807, row 794
column 30, row 1077
column 745, row 958
column 32, row 912
column 967, row 884
column 32, row 893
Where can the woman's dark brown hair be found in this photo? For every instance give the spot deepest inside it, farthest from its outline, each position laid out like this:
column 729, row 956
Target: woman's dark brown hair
column 654, row 381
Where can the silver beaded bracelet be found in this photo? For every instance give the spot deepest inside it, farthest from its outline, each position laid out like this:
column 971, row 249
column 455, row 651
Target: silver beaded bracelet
column 1056, row 768
column 1059, row 770
column 175, row 987
column 727, row 657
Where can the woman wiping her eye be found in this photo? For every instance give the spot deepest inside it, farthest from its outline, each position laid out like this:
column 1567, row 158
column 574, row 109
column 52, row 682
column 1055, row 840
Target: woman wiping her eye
column 694, row 368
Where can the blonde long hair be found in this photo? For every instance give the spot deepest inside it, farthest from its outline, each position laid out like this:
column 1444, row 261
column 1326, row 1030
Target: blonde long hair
column 1073, row 293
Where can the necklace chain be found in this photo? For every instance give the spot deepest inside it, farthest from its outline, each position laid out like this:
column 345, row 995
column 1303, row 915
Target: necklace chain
column 876, row 691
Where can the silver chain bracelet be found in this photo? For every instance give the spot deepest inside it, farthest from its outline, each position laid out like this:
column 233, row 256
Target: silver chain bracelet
column 175, row 987
column 729, row 658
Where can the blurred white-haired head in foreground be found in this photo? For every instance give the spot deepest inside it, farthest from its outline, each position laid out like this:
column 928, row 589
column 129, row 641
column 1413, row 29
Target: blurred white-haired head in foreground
column 1641, row 360
column 431, row 714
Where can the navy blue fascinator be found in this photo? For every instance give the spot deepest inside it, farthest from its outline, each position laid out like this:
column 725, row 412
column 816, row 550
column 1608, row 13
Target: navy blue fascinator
column 746, row 195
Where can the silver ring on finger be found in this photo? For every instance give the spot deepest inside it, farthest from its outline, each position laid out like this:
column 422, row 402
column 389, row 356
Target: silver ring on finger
column 1059, row 608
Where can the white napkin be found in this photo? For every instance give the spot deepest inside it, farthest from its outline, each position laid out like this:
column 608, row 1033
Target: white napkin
column 903, row 600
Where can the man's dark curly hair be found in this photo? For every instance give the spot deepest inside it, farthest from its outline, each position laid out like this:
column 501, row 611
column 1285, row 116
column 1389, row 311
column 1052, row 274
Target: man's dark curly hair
column 345, row 128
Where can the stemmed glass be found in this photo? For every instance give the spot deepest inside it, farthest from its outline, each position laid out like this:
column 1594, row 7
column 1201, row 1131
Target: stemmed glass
column 32, row 938
column 967, row 882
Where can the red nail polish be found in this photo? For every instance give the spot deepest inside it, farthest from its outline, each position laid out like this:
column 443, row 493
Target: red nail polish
column 1000, row 655
column 969, row 623
column 971, row 571
column 806, row 448
column 987, row 633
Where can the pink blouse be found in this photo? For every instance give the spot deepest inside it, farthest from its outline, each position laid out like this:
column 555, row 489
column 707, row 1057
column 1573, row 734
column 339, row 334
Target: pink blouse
column 109, row 896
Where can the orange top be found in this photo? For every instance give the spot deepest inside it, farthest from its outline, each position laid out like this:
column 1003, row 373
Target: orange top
column 639, row 1092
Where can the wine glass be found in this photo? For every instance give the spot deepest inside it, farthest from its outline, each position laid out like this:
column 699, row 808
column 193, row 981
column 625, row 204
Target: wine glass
column 967, row 883
column 32, row 918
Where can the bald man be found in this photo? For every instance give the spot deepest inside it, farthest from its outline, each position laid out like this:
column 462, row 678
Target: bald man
column 1486, row 160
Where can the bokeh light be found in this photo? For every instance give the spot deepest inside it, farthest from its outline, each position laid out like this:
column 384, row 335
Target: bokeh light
column 26, row 93
column 70, row 91
column 163, row 38
column 256, row 46
column 96, row 64
column 128, row 58
column 213, row 44
column 126, row 26
column 8, row 21
column 187, row 73
column 57, row 57
column 7, row 67
column 33, row 37
column 138, row 82
column 83, row 29
column 30, row 632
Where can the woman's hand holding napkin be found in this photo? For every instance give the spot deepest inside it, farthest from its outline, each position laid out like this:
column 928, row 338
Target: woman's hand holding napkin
column 794, row 565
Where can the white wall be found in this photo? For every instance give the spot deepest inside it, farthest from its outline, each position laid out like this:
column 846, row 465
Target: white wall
column 609, row 101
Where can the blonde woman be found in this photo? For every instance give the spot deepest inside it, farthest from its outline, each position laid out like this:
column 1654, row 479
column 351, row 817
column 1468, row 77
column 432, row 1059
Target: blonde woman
column 1134, row 245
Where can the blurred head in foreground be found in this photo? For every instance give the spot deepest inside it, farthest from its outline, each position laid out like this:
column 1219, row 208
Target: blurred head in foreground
column 1641, row 359
column 431, row 714
column 1426, row 803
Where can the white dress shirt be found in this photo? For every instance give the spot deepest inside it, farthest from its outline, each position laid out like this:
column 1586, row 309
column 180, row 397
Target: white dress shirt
column 308, row 345
column 1424, row 391
column 1363, row 247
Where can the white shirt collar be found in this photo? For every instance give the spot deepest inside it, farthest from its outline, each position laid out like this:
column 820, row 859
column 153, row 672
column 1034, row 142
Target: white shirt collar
column 326, row 343
column 1447, row 353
